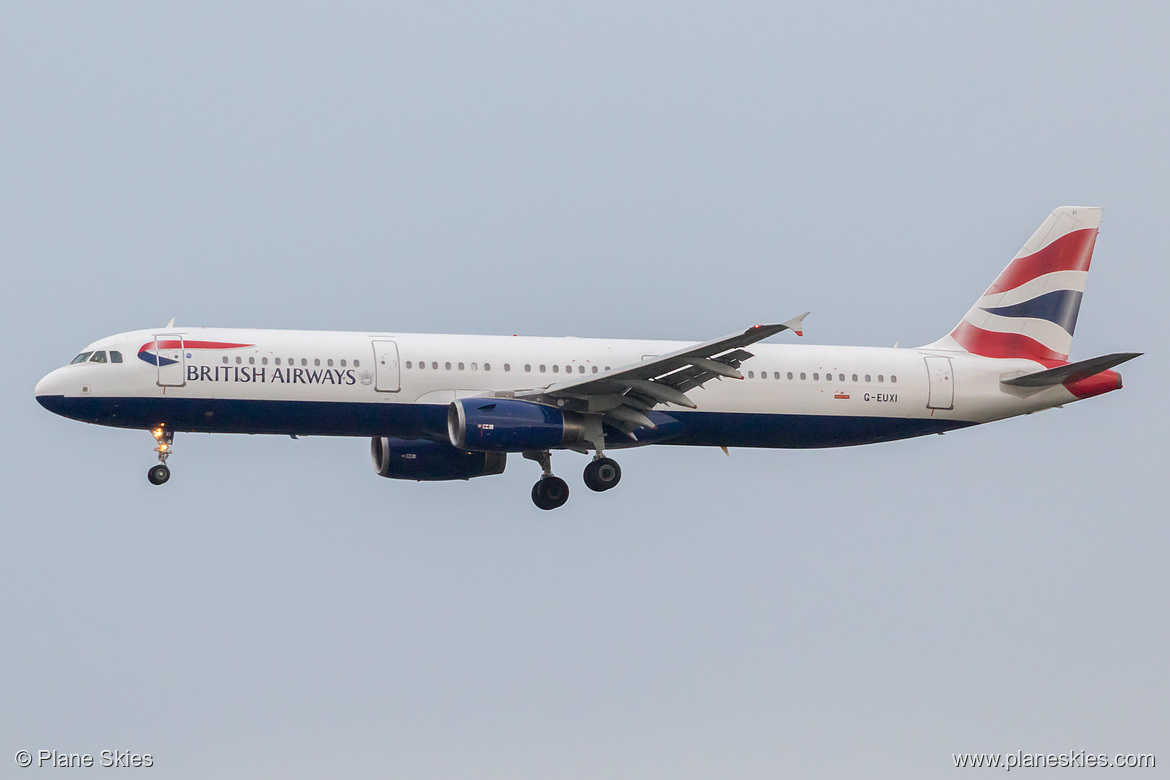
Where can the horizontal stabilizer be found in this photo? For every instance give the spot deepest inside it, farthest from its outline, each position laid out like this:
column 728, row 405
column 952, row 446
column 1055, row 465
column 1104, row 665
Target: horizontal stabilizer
column 1073, row 372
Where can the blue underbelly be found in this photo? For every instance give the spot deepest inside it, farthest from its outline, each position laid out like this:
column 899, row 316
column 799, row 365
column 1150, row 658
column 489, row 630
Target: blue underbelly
column 324, row 418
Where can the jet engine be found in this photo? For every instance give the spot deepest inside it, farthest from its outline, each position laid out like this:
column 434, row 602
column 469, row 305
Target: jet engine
column 426, row 460
column 508, row 425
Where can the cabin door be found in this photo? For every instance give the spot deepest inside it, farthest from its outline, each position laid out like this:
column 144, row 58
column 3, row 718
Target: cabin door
column 386, row 367
column 171, row 359
column 942, row 383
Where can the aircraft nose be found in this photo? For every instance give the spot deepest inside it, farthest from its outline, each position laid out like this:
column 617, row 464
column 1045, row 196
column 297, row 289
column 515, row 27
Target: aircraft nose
column 50, row 385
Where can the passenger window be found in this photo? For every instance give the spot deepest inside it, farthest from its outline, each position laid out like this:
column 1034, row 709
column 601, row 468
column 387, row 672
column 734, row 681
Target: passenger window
column 568, row 369
column 542, row 368
column 527, row 368
column 460, row 366
column 816, row 376
column 580, row 369
column 556, row 369
column 829, row 377
column 408, row 364
column 893, row 379
column 487, row 366
column 775, row 374
column 595, row 369
column 802, row 376
column 855, row 377
column 507, row 367
column 447, row 365
column 225, row 359
column 264, row 361
column 115, row 357
column 867, row 378
column 329, row 363
column 357, row 363
column 275, row 360
column 304, row 362
column 474, row 366
column 98, row 357
column 881, row 378
column 840, row 377
column 84, row 356
column 317, row 362
column 343, row 362
column 435, row 365
column 790, row 375
column 239, row 360
column 251, row 361
column 751, row 375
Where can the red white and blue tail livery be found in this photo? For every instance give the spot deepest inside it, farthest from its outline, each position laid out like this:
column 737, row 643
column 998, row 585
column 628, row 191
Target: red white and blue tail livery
column 445, row 407
column 1030, row 310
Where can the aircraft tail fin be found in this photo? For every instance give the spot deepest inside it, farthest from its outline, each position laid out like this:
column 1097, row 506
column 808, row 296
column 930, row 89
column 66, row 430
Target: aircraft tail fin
column 1030, row 310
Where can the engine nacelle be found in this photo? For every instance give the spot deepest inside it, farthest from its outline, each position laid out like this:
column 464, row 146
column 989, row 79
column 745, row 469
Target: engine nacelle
column 508, row 425
column 426, row 460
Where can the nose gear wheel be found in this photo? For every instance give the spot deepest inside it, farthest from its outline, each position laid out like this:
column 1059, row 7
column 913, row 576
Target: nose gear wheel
column 163, row 439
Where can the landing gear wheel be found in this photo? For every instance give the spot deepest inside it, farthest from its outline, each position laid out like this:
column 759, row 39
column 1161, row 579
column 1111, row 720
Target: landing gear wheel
column 158, row 474
column 550, row 492
column 602, row 474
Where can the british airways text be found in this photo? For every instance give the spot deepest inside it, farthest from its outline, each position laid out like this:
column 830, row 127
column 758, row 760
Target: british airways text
column 305, row 376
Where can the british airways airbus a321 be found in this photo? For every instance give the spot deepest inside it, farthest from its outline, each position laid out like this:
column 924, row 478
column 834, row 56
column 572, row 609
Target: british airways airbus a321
column 443, row 407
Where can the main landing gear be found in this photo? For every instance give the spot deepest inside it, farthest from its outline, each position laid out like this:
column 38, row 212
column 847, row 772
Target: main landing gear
column 550, row 491
column 602, row 474
column 161, row 473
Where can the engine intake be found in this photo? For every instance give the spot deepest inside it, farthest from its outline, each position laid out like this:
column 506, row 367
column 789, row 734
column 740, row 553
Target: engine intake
column 426, row 460
column 508, row 425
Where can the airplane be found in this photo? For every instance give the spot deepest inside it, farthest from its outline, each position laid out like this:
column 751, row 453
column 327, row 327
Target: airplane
column 447, row 407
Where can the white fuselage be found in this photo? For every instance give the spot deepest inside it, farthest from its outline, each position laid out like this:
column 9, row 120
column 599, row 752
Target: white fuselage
column 399, row 384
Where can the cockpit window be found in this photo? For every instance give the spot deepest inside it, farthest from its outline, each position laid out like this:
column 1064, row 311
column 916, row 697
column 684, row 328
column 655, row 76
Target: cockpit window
column 84, row 356
column 115, row 357
column 98, row 357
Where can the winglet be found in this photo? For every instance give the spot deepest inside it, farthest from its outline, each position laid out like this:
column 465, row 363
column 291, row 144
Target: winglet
column 171, row 324
column 795, row 325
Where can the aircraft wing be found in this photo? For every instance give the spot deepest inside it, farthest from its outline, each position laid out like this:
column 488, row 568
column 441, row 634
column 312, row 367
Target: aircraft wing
column 624, row 394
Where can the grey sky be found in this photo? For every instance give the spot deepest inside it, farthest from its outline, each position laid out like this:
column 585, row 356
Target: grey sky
column 658, row 171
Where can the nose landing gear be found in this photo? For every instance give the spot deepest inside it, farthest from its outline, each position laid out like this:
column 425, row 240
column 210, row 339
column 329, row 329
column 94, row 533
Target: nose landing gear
column 161, row 473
